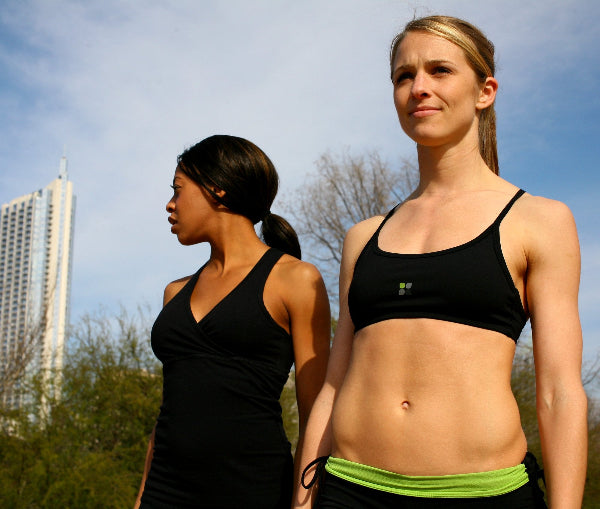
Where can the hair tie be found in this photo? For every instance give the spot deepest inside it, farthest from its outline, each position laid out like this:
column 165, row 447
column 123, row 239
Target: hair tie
column 267, row 213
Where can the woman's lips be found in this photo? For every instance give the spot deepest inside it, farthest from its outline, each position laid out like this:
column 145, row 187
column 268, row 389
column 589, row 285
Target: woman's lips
column 425, row 111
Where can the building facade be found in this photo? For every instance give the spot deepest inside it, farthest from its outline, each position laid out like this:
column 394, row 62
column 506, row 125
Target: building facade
column 36, row 247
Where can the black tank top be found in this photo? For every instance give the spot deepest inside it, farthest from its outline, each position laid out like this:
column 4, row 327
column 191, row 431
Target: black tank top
column 219, row 438
column 468, row 284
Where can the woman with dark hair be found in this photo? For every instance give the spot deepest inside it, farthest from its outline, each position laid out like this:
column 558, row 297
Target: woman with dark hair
column 417, row 409
column 227, row 337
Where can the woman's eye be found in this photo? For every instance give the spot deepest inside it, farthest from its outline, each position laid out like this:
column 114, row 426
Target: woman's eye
column 175, row 188
column 441, row 70
column 402, row 76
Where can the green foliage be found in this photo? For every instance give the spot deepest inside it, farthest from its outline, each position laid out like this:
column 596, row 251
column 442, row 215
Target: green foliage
column 523, row 386
column 591, row 498
column 289, row 410
column 81, row 440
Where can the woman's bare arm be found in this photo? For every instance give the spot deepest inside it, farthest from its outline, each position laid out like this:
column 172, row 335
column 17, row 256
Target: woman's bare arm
column 552, row 294
column 317, row 437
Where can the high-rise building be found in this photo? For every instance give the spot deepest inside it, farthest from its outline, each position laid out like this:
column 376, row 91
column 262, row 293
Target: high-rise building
column 36, row 232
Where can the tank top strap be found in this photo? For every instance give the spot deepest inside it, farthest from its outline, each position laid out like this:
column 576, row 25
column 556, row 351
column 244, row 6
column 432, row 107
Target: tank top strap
column 188, row 288
column 265, row 265
column 197, row 274
column 509, row 205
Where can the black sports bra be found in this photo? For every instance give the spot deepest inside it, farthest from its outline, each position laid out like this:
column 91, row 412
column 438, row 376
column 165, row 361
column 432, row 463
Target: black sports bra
column 468, row 284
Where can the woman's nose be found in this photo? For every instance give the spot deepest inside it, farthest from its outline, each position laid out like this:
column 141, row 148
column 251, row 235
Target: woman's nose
column 420, row 85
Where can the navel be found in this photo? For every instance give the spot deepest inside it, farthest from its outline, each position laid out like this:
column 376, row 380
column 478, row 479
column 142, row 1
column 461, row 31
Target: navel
column 405, row 405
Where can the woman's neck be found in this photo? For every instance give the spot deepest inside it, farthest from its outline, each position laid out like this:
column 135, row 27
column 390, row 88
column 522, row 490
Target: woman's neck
column 234, row 243
column 451, row 169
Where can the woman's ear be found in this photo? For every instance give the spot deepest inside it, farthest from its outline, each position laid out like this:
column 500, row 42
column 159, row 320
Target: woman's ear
column 214, row 193
column 218, row 191
column 487, row 93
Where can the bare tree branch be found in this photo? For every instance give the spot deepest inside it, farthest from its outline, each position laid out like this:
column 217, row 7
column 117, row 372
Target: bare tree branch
column 344, row 190
column 591, row 371
column 25, row 352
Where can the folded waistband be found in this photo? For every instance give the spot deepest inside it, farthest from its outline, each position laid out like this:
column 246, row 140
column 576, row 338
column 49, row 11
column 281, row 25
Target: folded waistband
column 474, row 485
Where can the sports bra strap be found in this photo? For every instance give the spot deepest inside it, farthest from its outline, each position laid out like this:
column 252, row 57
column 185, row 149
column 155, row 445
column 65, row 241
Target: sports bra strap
column 389, row 214
column 505, row 210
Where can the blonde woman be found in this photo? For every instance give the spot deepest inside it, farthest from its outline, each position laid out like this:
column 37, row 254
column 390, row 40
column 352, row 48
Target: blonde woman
column 417, row 409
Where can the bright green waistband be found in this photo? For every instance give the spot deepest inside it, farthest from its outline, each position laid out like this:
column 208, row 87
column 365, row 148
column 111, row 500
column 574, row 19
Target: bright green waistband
column 478, row 484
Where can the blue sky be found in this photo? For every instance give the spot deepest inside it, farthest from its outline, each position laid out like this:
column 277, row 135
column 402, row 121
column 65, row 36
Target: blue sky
column 127, row 85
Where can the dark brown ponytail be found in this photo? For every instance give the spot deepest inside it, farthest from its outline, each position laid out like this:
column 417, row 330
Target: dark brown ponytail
column 277, row 232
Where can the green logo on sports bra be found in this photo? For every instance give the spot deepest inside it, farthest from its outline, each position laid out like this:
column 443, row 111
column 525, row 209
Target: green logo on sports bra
column 405, row 289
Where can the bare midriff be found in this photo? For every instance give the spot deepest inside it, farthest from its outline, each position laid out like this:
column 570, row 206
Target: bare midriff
column 428, row 397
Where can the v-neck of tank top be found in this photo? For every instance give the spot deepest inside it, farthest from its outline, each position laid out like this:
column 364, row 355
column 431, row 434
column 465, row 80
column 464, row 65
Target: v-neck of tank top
column 439, row 252
column 225, row 298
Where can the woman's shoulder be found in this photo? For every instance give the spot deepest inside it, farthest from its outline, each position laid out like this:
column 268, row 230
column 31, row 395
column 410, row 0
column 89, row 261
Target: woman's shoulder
column 358, row 235
column 174, row 287
column 298, row 283
column 365, row 227
column 539, row 205
column 545, row 221
column 541, row 212
column 296, row 272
